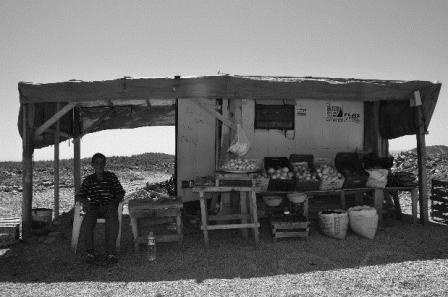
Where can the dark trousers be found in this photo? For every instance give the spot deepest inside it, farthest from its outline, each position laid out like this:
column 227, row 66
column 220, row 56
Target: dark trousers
column 110, row 213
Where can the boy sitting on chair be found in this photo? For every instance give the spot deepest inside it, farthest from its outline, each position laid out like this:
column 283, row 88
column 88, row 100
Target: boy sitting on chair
column 100, row 194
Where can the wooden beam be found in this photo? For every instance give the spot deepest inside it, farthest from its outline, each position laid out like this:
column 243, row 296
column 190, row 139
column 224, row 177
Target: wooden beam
column 56, row 165
column 77, row 164
column 54, row 118
column 215, row 114
column 421, row 160
column 27, row 164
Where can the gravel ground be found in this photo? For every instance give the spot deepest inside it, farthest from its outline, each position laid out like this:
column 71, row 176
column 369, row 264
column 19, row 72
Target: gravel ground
column 402, row 260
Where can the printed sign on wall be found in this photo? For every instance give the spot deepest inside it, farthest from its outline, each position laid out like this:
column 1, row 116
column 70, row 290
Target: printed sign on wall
column 335, row 113
column 300, row 111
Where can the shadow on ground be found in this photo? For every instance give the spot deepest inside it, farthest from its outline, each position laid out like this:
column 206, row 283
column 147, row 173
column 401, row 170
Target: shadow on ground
column 229, row 255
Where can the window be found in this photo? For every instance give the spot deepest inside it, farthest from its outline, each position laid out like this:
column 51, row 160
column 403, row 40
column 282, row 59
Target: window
column 274, row 116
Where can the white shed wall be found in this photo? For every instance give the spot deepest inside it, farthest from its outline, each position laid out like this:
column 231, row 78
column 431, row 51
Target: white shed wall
column 195, row 144
column 318, row 130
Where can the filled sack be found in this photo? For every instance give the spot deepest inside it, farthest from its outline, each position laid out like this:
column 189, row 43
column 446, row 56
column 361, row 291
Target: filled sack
column 377, row 178
column 363, row 220
column 333, row 223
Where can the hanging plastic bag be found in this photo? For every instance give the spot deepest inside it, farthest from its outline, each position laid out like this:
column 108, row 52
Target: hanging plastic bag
column 377, row 178
column 240, row 145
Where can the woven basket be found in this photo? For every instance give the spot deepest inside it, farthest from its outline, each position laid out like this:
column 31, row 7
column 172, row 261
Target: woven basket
column 331, row 184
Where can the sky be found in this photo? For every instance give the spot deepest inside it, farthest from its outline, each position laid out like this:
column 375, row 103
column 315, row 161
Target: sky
column 53, row 41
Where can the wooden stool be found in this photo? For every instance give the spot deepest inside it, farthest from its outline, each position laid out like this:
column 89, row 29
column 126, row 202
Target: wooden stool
column 243, row 216
column 156, row 213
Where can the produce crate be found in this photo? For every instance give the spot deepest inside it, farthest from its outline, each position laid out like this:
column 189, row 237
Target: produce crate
column 301, row 185
column 283, row 229
column 355, row 181
column 331, row 184
column 439, row 201
column 224, row 179
column 328, row 184
column 234, row 182
column 9, row 231
column 279, row 184
column 349, row 165
column 276, row 162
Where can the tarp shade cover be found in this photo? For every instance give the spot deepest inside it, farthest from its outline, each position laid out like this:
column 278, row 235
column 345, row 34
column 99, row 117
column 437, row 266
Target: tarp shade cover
column 398, row 118
column 131, row 103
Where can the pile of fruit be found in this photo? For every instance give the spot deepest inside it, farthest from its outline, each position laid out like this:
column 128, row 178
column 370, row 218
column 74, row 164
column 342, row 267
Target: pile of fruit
column 303, row 172
column 328, row 173
column 280, row 173
column 240, row 164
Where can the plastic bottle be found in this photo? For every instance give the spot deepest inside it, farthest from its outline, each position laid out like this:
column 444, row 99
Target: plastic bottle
column 151, row 254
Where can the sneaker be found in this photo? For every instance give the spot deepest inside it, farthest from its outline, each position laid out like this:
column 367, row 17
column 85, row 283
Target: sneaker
column 90, row 258
column 112, row 259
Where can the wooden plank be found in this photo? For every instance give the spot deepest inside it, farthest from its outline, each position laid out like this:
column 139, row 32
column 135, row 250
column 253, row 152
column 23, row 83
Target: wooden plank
column 56, row 165
column 243, row 210
column 227, row 217
column 27, row 164
column 421, row 158
column 215, row 114
column 77, row 164
column 232, row 226
column 225, row 87
column 222, row 189
column 225, row 132
column 59, row 114
column 439, row 199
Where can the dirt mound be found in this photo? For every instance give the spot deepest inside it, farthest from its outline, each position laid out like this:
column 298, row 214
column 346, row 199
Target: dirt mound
column 436, row 164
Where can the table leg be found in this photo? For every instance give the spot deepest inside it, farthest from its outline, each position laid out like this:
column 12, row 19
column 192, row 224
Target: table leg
column 358, row 198
column 378, row 203
column 414, row 197
column 204, row 217
column 179, row 227
column 243, row 211
column 134, row 225
column 397, row 205
column 253, row 210
column 342, row 198
column 306, row 207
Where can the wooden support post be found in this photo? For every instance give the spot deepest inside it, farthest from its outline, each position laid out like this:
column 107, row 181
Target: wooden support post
column 56, row 166
column 421, row 158
column 77, row 164
column 27, row 163
column 378, row 204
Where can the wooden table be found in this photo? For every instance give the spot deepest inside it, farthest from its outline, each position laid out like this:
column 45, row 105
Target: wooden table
column 242, row 216
column 378, row 196
column 157, row 212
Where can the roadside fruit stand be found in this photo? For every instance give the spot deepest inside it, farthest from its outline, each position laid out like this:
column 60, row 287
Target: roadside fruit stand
column 257, row 117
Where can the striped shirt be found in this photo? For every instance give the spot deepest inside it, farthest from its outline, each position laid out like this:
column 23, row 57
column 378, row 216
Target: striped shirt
column 101, row 192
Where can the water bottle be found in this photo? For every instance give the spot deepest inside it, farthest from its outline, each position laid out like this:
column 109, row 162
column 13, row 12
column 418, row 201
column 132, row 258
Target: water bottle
column 151, row 247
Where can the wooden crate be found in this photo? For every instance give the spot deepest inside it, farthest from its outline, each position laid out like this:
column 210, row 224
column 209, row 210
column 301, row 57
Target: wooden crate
column 439, row 201
column 9, row 231
column 281, row 229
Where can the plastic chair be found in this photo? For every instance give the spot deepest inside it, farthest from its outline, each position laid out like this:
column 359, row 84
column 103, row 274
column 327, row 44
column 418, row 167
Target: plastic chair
column 78, row 217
